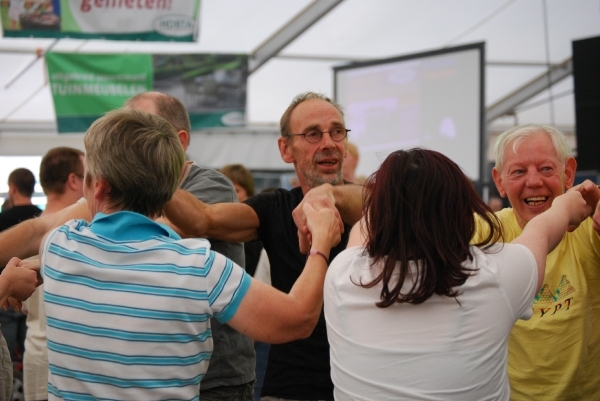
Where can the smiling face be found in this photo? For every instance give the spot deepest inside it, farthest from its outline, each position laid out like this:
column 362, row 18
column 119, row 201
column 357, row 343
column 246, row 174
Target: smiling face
column 533, row 176
column 315, row 163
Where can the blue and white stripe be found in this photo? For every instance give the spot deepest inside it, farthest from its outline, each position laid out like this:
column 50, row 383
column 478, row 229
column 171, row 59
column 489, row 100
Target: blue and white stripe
column 129, row 319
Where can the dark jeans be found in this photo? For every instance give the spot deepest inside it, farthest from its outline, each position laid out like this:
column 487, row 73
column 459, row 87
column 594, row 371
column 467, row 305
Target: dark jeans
column 262, row 358
column 14, row 327
column 243, row 392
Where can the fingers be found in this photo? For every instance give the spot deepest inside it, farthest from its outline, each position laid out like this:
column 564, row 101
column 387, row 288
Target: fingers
column 15, row 303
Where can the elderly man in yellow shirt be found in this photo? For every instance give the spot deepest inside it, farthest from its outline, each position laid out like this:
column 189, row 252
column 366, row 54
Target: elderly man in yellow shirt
column 555, row 355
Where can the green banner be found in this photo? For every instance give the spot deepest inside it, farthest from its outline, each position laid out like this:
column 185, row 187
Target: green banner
column 149, row 20
column 85, row 86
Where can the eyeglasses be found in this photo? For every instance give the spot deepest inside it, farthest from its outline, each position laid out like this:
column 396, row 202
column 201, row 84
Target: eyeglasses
column 314, row 135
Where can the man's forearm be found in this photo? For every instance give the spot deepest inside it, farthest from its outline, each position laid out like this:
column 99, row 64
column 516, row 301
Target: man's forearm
column 349, row 202
column 233, row 222
column 24, row 239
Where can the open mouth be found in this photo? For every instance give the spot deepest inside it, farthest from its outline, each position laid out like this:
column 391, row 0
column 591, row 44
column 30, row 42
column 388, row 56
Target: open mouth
column 536, row 200
column 328, row 163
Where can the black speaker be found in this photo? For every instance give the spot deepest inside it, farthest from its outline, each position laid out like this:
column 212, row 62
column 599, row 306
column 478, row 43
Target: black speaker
column 586, row 76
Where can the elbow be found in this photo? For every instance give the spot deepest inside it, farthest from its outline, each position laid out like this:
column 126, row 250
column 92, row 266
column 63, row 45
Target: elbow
column 307, row 327
column 302, row 329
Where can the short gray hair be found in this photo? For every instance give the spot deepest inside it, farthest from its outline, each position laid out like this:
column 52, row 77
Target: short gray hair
column 284, row 123
column 516, row 135
column 140, row 156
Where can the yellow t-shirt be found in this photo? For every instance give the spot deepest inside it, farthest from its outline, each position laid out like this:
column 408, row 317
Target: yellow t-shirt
column 555, row 355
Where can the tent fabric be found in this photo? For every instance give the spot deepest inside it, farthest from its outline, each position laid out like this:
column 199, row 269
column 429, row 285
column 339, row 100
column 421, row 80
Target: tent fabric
column 522, row 38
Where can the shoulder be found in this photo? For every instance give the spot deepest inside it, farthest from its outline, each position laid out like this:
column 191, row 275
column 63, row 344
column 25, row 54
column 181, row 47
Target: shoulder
column 349, row 261
column 209, row 185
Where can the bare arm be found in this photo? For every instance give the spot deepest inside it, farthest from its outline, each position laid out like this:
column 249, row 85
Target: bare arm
column 233, row 222
column 269, row 315
column 357, row 235
column 24, row 239
column 544, row 232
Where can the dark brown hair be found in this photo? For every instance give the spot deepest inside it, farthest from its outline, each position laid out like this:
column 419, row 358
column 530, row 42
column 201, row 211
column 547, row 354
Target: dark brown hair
column 56, row 167
column 24, row 180
column 419, row 206
column 238, row 174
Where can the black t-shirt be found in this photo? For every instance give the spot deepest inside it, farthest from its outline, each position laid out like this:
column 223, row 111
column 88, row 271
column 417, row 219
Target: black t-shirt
column 298, row 369
column 17, row 214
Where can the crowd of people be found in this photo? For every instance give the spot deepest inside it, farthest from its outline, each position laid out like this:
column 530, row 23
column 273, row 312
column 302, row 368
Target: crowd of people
column 407, row 287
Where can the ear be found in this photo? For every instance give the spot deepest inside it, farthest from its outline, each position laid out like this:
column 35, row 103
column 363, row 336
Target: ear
column 285, row 149
column 497, row 176
column 12, row 188
column 72, row 182
column 570, row 168
column 101, row 190
column 184, row 138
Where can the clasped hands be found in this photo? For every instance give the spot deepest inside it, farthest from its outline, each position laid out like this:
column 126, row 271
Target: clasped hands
column 591, row 194
column 18, row 281
column 317, row 215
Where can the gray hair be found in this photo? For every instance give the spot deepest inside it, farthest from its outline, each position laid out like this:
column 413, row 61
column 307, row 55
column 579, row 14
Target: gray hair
column 284, row 123
column 140, row 156
column 516, row 135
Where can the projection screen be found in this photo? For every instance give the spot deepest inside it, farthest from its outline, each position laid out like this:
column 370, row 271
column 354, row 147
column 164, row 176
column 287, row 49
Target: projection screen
column 432, row 100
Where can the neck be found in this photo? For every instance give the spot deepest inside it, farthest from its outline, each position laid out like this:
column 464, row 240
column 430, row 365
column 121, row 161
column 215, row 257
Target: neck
column 21, row 200
column 58, row 202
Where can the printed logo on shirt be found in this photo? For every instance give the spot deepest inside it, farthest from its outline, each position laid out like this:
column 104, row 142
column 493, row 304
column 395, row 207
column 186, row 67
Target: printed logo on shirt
column 548, row 303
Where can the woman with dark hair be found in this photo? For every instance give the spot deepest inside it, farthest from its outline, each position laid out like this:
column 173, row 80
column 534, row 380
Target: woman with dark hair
column 413, row 310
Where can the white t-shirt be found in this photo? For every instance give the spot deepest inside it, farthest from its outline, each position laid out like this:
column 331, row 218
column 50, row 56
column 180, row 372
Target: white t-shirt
column 437, row 350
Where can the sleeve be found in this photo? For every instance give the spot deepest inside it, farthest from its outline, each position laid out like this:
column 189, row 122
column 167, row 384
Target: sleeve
column 517, row 273
column 44, row 251
column 209, row 186
column 227, row 284
column 264, row 205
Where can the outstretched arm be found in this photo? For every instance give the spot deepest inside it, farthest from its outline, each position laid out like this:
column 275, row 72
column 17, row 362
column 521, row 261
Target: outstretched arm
column 545, row 231
column 269, row 315
column 233, row 222
column 24, row 239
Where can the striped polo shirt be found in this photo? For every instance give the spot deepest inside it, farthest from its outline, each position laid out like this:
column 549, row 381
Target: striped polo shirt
column 128, row 304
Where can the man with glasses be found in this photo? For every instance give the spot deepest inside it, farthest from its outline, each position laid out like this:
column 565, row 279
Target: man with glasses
column 313, row 138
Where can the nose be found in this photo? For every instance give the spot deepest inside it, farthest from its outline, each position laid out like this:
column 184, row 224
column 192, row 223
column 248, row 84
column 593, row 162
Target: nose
column 534, row 178
column 327, row 141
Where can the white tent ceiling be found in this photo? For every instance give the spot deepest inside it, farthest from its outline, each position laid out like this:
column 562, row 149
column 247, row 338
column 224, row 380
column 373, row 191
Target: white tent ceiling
column 523, row 37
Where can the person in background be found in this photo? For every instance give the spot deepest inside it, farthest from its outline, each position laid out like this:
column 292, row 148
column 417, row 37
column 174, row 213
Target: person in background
column 21, row 183
column 18, row 283
column 350, row 163
column 495, row 203
column 442, row 309
column 243, row 182
column 61, row 178
column 7, row 204
column 554, row 356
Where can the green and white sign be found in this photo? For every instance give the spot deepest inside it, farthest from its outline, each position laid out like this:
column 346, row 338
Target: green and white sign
column 86, row 86
column 150, row 20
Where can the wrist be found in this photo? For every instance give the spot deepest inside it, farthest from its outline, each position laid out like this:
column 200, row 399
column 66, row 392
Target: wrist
column 315, row 252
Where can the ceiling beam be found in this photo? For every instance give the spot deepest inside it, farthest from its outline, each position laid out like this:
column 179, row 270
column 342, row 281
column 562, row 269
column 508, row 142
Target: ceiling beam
column 300, row 23
column 508, row 104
